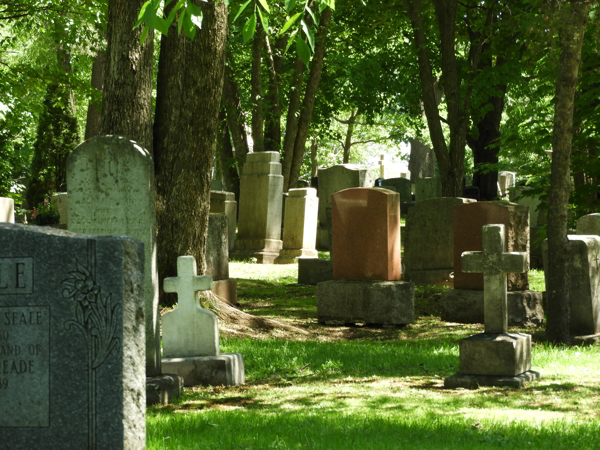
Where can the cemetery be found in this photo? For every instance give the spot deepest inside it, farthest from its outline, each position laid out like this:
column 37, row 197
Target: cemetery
column 287, row 225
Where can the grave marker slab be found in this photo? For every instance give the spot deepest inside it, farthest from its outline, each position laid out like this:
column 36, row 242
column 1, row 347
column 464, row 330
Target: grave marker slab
column 7, row 210
column 111, row 192
column 71, row 340
column 224, row 202
column 589, row 224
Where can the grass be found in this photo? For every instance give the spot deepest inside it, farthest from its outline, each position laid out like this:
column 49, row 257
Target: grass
column 375, row 388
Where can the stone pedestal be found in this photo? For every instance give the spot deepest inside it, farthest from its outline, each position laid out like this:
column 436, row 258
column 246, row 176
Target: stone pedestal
column 163, row 389
column 525, row 308
column 369, row 302
column 224, row 202
column 489, row 359
column 259, row 222
column 314, row 270
column 226, row 369
column 217, row 257
column 300, row 226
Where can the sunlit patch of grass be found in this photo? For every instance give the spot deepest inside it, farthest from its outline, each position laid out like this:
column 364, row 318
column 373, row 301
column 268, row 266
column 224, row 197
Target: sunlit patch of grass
column 536, row 280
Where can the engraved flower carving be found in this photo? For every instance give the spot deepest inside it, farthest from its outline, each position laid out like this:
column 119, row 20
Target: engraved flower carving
column 81, row 286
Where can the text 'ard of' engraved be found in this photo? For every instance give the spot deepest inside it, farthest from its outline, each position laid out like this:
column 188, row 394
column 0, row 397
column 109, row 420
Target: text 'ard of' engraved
column 16, row 276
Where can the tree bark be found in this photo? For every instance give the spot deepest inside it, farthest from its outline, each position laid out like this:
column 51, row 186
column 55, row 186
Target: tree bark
column 314, row 146
column 258, row 118
column 127, row 103
column 189, row 90
column 348, row 142
column 272, row 139
column 235, row 114
column 93, row 122
column 227, row 158
column 312, row 85
column 291, row 128
column 571, row 31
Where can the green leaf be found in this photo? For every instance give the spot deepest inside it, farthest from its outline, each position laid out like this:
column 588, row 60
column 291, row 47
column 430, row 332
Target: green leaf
column 264, row 19
column 161, row 25
column 197, row 19
column 289, row 23
column 309, row 35
column 265, row 5
column 195, row 10
column 144, row 34
column 180, row 23
column 174, row 10
column 249, row 28
column 142, row 14
column 189, row 27
column 289, row 5
column 241, row 10
column 312, row 14
column 329, row 3
column 290, row 41
column 303, row 50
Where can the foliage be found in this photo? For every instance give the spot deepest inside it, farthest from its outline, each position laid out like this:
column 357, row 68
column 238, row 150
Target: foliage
column 45, row 214
column 56, row 137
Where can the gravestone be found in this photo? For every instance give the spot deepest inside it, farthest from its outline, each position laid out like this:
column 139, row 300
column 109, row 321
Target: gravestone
column 422, row 161
column 191, row 334
column 584, row 289
column 111, row 192
column 314, row 270
column 506, row 181
column 217, row 258
column 428, row 241
column 402, row 186
column 300, row 226
column 71, row 340
column 331, row 180
column 471, row 192
column 589, row 224
column 7, row 210
column 60, row 201
column 426, row 188
column 259, row 221
column 465, row 303
column 366, row 265
column 224, row 202
column 495, row 357
column 536, row 218
column 369, row 219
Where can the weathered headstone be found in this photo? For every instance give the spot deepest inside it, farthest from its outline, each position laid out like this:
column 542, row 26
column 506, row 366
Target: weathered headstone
column 71, row 341
column 366, row 261
column 426, row 188
column 111, row 192
column 224, row 202
column 584, row 292
column 589, row 224
column 191, row 333
column 217, row 258
column 428, row 241
column 422, row 161
column 506, row 181
column 259, row 221
column 60, row 201
column 331, row 180
column 7, row 210
column 496, row 357
column 300, row 226
column 402, row 186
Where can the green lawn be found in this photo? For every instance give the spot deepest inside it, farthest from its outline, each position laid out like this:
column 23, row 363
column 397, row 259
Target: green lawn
column 375, row 388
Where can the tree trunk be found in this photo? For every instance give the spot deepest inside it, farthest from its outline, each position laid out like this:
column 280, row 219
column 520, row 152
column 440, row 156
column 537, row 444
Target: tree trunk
column 258, row 118
column 571, row 31
column 235, row 114
column 348, row 142
column 230, row 174
column 314, row 146
column 312, row 85
column 272, row 139
column 93, row 122
column 291, row 128
column 189, row 90
column 127, row 103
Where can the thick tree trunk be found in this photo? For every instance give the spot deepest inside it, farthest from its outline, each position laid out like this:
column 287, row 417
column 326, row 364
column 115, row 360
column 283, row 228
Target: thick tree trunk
column 572, row 29
column 94, row 112
column 312, row 85
column 258, row 118
column 235, row 114
column 228, row 163
column 189, row 90
column 127, row 102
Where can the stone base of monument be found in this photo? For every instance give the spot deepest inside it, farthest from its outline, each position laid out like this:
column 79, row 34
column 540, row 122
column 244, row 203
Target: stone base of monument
column 163, row 389
column 440, row 277
column 226, row 289
column 292, row 256
column 264, row 250
column 586, row 340
column 369, row 302
column 314, row 270
column 490, row 359
column 323, row 239
column 227, row 369
column 525, row 308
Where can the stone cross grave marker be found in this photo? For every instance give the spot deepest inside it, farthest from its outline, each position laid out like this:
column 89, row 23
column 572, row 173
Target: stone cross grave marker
column 189, row 330
column 494, row 263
